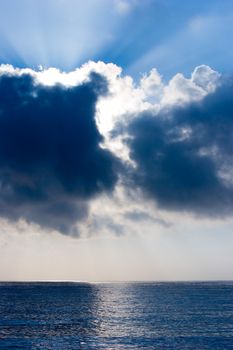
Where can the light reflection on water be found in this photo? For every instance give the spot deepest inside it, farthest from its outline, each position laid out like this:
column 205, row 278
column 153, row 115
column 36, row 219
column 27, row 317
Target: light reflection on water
column 116, row 316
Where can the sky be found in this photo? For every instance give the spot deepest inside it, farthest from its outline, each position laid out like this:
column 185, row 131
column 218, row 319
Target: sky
column 116, row 140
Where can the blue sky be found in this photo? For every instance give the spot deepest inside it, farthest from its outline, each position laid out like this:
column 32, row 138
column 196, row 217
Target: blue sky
column 173, row 36
column 116, row 139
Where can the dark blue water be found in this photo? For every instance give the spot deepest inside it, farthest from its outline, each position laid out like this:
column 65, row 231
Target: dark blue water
column 116, row 316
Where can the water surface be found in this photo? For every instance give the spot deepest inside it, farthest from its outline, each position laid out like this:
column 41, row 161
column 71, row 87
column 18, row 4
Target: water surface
column 116, row 316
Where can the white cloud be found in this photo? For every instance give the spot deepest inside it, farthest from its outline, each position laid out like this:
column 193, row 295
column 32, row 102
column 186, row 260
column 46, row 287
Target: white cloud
column 152, row 83
column 181, row 90
column 206, row 78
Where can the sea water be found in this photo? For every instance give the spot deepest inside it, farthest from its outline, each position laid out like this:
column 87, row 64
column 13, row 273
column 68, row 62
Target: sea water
column 116, row 316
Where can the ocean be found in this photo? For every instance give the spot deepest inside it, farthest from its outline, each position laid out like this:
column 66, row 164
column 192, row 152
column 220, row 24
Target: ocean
column 60, row 315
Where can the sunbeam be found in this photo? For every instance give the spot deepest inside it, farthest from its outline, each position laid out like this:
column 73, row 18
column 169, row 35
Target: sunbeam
column 62, row 34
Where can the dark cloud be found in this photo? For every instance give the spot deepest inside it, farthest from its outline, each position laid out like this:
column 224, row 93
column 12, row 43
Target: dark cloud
column 184, row 154
column 51, row 163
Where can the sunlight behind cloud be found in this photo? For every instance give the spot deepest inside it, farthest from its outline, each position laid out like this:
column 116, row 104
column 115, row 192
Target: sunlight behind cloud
column 125, row 95
column 61, row 34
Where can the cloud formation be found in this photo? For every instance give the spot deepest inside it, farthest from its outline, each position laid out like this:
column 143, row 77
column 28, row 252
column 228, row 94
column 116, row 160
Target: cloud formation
column 51, row 162
column 183, row 153
column 68, row 139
